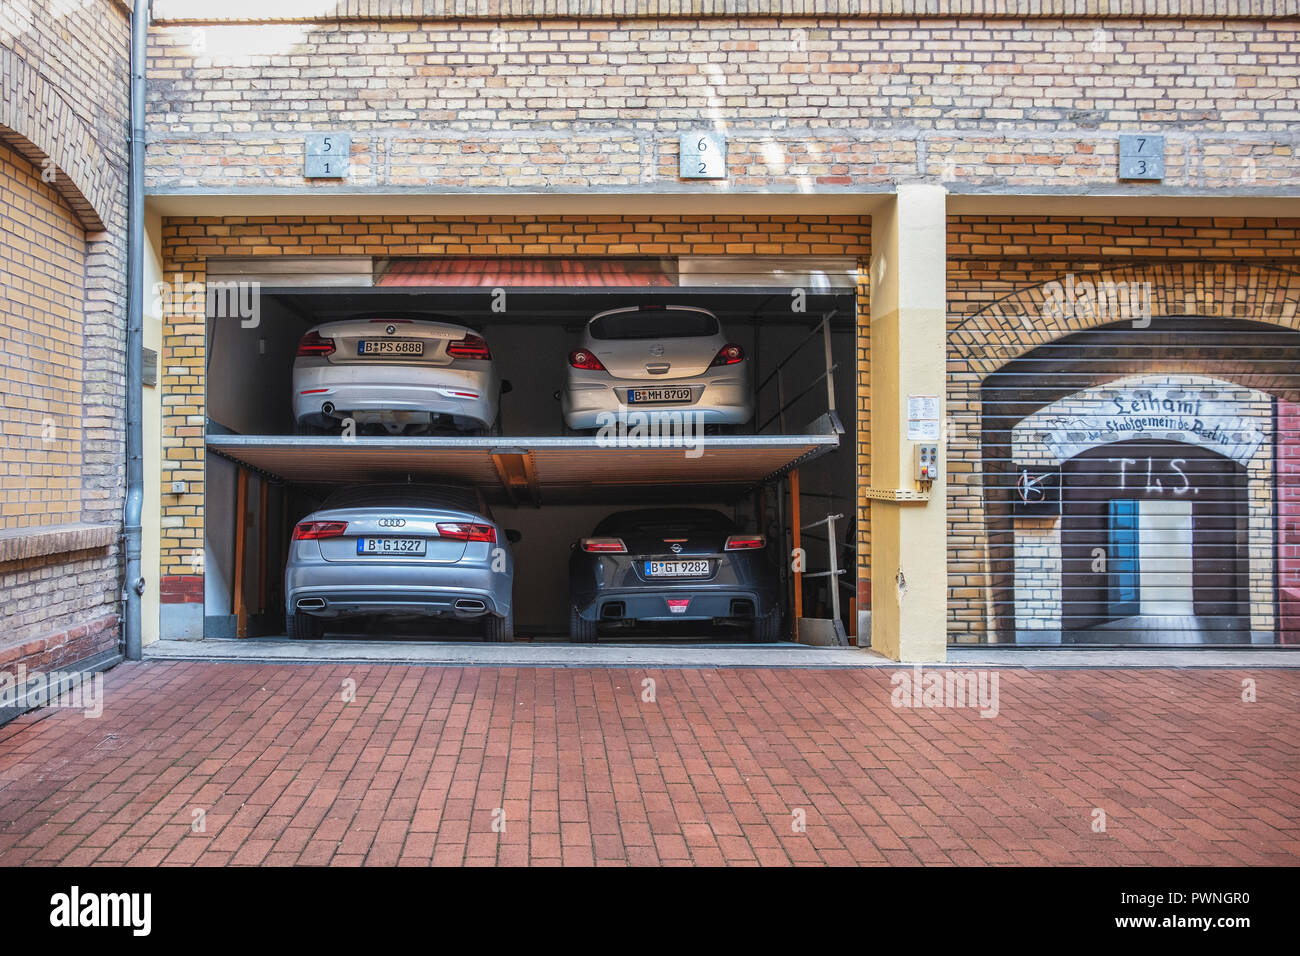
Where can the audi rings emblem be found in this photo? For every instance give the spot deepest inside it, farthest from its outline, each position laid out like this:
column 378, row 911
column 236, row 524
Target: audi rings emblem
column 391, row 522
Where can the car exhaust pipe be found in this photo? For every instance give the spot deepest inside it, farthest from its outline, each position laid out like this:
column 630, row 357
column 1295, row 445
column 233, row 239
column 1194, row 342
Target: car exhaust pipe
column 310, row 604
column 470, row 606
column 327, row 408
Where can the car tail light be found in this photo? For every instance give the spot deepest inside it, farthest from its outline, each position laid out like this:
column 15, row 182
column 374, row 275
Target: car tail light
column 467, row 531
column 745, row 542
column 312, row 530
column 470, row 347
column 604, row 545
column 728, row 355
column 313, row 344
column 581, row 358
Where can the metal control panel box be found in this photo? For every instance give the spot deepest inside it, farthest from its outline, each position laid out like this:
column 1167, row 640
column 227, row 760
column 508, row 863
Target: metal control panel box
column 927, row 462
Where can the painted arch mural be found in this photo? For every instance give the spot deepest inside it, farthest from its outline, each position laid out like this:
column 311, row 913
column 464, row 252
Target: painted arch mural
column 1126, row 472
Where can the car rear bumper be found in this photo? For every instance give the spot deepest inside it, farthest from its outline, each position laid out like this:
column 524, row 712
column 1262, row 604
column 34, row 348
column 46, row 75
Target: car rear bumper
column 652, row 605
column 588, row 403
column 346, row 589
column 399, row 399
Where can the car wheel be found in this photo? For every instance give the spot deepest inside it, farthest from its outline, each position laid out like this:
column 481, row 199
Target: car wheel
column 581, row 631
column 767, row 629
column 303, row 428
column 499, row 630
column 303, row 627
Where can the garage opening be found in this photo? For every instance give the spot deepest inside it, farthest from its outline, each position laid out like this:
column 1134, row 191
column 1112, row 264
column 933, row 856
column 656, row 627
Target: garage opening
column 793, row 320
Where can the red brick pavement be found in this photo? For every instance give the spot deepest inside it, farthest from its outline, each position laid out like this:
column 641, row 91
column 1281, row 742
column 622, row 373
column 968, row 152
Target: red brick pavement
column 586, row 772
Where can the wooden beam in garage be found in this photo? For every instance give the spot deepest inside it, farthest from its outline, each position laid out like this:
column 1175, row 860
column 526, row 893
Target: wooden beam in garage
column 262, row 516
column 241, row 522
column 518, row 474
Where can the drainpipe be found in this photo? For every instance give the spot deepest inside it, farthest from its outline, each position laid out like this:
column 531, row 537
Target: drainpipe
column 135, row 338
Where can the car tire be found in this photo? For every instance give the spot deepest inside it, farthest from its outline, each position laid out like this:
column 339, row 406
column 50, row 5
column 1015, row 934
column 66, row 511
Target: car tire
column 303, row 428
column 303, row 627
column 581, row 631
column 499, row 630
column 767, row 629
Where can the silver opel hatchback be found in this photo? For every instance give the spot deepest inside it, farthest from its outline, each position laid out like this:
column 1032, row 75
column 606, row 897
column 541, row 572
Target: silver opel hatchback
column 656, row 359
column 414, row 550
column 404, row 374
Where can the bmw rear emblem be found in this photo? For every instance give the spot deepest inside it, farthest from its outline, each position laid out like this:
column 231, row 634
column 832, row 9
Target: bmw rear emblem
column 390, row 329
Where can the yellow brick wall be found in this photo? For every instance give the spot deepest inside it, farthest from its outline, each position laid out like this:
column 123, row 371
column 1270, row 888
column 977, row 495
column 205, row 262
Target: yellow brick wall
column 188, row 243
column 42, row 274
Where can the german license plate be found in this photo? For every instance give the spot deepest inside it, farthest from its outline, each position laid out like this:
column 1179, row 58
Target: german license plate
column 412, row 547
column 390, row 347
column 676, row 569
column 643, row 396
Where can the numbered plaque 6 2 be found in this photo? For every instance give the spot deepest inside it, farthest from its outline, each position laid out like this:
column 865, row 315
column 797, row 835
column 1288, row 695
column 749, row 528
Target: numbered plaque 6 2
column 703, row 156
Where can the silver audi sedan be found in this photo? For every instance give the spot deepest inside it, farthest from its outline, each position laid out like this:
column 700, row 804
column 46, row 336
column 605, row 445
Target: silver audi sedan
column 413, row 550
column 656, row 359
column 402, row 374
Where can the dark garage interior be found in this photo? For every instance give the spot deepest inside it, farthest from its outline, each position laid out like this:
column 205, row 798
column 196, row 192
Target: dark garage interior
column 530, row 332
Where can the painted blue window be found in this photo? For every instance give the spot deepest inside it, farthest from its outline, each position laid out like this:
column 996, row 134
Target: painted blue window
column 1122, row 557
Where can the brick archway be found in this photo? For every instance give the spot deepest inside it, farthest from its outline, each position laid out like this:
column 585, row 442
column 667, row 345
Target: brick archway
column 40, row 125
column 1030, row 317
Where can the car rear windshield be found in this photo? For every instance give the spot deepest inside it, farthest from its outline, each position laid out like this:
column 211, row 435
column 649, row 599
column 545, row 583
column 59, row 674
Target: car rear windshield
column 654, row 324
column 404, row 496
column 666, row 521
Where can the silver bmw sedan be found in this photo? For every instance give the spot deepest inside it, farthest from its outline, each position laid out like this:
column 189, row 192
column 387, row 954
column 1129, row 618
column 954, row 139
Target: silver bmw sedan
column 404, row 374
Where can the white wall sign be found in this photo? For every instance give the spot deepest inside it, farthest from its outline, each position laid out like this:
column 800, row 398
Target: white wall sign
column 923, row 418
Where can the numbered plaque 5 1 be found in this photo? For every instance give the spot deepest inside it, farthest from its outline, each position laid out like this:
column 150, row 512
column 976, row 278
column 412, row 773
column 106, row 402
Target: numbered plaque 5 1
column 327, row 156
column 703, row 156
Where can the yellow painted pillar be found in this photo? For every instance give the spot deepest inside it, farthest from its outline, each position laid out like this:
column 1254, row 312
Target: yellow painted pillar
column 909, row 581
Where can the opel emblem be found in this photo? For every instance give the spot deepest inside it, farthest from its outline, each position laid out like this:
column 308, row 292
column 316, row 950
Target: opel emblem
column 676, row 549
column 390, row 329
